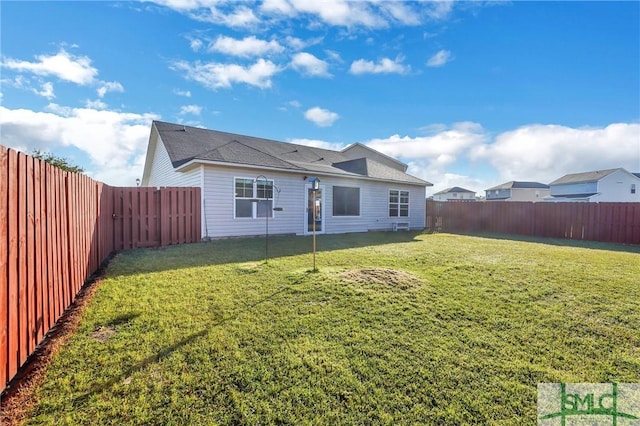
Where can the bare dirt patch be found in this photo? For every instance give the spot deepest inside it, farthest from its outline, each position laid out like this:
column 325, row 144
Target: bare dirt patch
column 103, row 333
column 390, row 278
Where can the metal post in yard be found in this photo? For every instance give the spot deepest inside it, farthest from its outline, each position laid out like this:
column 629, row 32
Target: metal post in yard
column 315, row 185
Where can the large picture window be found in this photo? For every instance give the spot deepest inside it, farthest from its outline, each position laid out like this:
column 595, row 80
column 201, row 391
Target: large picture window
column 346, row 201
column 253, row 199
column 398, row 203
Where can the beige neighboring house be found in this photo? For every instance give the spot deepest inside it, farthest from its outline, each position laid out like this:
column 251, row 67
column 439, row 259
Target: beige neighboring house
column 455, row 194
column 518, row 191
column 600, row 186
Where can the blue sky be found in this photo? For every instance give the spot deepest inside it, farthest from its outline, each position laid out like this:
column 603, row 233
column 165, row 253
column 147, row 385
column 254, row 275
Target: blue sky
column 469, row 94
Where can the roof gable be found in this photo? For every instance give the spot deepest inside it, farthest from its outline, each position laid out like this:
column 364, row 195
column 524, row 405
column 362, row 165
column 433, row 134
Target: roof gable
column 519, row 185
column 454, row 189
column 358, row 150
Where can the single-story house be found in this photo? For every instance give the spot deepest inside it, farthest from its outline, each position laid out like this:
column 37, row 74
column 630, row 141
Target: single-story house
column 612, row 185
column 454, row 194
column 518, row 191
column 249, row 182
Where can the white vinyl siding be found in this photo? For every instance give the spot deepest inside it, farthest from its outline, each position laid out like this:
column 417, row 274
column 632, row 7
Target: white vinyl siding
column 162, row 172
column 219, row 199
column 574, row 189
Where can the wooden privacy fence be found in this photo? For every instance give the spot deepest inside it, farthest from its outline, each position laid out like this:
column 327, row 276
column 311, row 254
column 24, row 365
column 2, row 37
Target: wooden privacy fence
column 607, row 222
column 56, row 228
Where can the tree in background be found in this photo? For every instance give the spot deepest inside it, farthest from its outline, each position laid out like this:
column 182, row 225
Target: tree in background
column 56, row 161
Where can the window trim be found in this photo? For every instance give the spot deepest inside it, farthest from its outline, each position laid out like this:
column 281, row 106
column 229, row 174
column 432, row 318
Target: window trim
column 333, row 205
column 399, row 204
column 254, row 193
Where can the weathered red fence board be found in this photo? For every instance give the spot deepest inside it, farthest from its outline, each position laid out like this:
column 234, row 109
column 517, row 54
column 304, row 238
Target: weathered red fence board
column 4, row 270
column 56, row 228
column 607, row 222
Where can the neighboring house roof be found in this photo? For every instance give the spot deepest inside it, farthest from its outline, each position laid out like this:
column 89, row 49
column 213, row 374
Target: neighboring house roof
column 519, row 184
column 584, row 177
column 636, row 174
column 186, row 144
column 453, row 189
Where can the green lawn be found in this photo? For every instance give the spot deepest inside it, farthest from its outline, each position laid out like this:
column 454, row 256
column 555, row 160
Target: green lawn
column 395, row 328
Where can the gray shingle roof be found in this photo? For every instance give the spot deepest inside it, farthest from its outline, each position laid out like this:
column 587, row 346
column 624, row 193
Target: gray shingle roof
column 453, row 189
column 583, row 177
column 185, row 144
column 520, row 184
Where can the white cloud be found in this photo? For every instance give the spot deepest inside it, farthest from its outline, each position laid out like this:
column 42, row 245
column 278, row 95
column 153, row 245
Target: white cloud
column 190, row 109
column 95, row 104
column 309, row 65
column 109, row 86
column 213, row 11
column 295, row 43
column 195, row 44
column 46, row 91
column 185, row 5
column 443, row 147
column 335, row 146
column 215, row 75
column 321, row 117
column 439, row 9
column 294, row 103
column 546, row 152
column 333, row 55
column 65, row 66
column 440, row 58
column 383, row 66
column 185, row 93
column 400, row 12
column 343, row 13
column 332, row 12
column 247, row 47
column 114, row 141
column 239, row 17
column 279, row 7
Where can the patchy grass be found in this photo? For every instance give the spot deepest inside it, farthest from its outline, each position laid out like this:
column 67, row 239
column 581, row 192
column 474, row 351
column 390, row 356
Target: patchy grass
column 394, row 328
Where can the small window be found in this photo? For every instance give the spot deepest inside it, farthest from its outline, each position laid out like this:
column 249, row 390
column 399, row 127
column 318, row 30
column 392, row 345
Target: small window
column 398, row 203
column 633, row 188
column 253, row 199
column 346, row 201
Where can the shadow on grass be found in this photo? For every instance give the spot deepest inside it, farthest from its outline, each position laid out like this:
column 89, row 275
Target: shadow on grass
column 164, row 352
column 122, row 319
column 238, row 250
column 595, row 245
